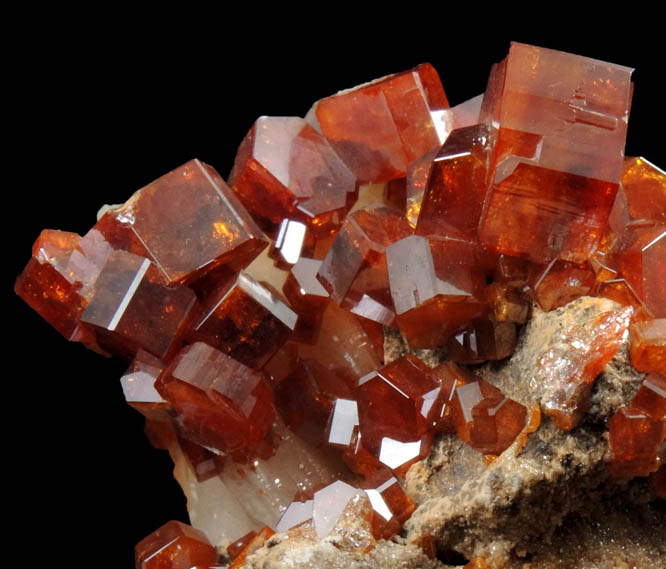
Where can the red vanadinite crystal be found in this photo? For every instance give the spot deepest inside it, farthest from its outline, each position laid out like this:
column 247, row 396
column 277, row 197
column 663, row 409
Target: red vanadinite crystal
column 266, row 376
column 174, row 546
column 379, row 128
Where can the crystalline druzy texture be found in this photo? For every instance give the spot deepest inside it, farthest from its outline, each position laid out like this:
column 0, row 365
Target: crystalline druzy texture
column 648, row 345
column 456, row 186
column 380, row 127
column 557, row 154
column 132, row 309
column 175, row 546
column 187, row 222
column 486, row 419
column 568, row 378
column 219, row 402
column 46, row 285
column 436, row 286
column 245, row 320
column 285, row 169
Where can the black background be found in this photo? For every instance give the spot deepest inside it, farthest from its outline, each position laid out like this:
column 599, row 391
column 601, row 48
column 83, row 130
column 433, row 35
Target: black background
column 95, row 115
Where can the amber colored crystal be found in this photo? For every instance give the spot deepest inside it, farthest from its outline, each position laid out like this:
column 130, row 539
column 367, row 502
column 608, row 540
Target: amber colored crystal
column 569, row 378
column 246, row 321
column 132, row 309
column 456, row 186
column 187, row 222
column 360, row 243
column 484, row 339
column 395, row 194
column 359, row 459
column 485, row 419
column 651, row 397
column 252, row 545
column 391, row 505
column 559, row 282
column 392, row 402
column 544, row 200
column 642, row 262
column 220, row 402
column 380, row 127
column 204, row 462
column 138, row 385
column 641, row 201
column 418, row 173
column 45, row 285
column 623, row 293
column 436, row 286
column 174, row 546
column 648, row 345
column 451, row 377
column 509, row 301
column 635, row 440
column 306, row 397
column 307, row 297
column 237, row 546
column 285, row 169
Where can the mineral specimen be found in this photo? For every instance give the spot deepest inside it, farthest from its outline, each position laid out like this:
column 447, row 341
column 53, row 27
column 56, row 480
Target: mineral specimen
column 296, row 390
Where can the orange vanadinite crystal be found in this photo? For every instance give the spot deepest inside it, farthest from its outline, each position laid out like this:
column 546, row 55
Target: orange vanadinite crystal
column 641, row 200
column 396, row 405
column 380, row 127
column 418, row 173
column 361, row 244
column 391, row 505
column 285, row 169
column 569, row 377
column 305, row 399
column 486, row 419
column 641, row 260
column 246, row 321
column 187, row 222
column 648, row 345
column 132, row 309
column 219, row 402
column 174, row 546
column 635, row 439
column 484, row 339
column 622, row 292
column 552, row 199
column 559, row 282
column 307, row 297
column 138, row 385
column 46, row 285
column 456, row 186
column 436, row 287
column 651, row 397
column 253, row 544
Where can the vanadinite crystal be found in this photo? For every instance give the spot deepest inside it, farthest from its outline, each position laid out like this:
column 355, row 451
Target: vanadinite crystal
column 282, row 371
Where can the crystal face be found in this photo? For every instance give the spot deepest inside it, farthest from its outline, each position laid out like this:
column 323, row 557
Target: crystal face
column 245, row 364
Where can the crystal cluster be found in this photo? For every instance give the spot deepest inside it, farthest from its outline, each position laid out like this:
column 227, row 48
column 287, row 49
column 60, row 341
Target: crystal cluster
column 253, row 312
